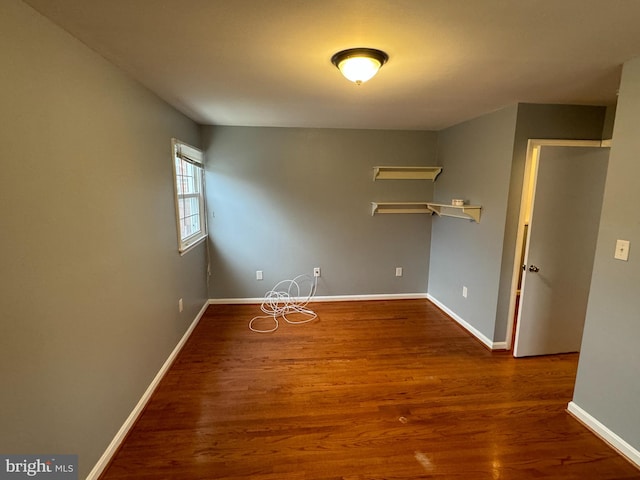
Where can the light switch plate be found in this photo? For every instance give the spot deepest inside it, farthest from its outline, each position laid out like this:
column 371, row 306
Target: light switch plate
column 622, row 250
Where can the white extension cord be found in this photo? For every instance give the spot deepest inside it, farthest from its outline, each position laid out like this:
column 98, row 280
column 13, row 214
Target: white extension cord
column 280, row 303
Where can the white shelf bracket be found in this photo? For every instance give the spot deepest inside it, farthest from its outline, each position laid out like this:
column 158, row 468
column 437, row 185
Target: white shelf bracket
column 468, row 212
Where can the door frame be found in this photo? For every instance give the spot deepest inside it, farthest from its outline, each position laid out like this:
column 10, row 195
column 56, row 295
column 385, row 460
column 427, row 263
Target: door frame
column 526, row 203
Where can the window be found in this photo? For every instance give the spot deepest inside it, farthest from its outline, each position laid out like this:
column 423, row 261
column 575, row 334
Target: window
column 188, row 166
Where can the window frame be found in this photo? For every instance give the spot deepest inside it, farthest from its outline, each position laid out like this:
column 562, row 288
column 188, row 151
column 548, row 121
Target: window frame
column 183, row 153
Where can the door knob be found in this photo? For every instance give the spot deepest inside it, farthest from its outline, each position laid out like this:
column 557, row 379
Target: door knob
column 533, row 268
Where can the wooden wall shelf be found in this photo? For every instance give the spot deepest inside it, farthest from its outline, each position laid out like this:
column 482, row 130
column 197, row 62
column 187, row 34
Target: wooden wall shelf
column 399, row 207
column 406, row 173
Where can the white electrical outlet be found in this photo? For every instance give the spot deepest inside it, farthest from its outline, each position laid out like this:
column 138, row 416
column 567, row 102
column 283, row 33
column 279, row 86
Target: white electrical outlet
column 622, row 250
column 398, row 271
column 258, row 274
column 464, row 292
column 316, row 272
column 180, row 305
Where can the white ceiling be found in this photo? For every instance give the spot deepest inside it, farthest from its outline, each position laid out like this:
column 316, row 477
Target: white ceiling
column 267, row 62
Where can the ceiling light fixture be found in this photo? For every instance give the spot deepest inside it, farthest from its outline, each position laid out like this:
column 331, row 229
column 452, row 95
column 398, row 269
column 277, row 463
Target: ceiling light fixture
column 359, row 64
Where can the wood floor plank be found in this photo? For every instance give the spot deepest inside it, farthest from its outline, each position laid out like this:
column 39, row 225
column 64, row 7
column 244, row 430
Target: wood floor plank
column 369, row 390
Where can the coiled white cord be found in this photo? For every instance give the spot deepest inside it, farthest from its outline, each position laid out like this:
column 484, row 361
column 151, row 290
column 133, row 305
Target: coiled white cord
column 280, row 303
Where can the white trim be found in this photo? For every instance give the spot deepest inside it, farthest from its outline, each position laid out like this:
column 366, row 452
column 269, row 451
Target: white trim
column 137, row 410
column 500, row 346
column 325, row 298
column 356, row 298
column 466, row 325
column 605, row 434
column 235, row 301
column 564, row 142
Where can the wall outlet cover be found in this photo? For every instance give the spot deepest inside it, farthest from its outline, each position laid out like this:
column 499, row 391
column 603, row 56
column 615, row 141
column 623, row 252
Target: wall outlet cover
column 622, row 250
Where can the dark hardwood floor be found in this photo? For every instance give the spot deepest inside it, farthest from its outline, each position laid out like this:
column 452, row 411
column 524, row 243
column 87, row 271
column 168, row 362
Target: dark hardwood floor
column 369, row 390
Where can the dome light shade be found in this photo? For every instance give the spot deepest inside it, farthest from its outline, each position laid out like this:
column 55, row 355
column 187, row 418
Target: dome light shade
column 359, row 64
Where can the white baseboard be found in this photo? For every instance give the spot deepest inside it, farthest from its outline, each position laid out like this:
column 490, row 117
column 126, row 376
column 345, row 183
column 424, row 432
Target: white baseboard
column 600, row 430
column 326, row 298
column 135, row 413
column 235, row 301
column 467, row 326
column 357, row 298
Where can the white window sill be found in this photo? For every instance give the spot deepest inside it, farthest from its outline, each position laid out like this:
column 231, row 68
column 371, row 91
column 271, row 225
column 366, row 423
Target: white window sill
column 192, row 245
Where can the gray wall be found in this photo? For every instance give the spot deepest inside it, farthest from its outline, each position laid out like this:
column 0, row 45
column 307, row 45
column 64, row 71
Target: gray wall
column 608, row 384
column 88, row 252
column 285, row 200
column 476, row 156
column 477, row 159
column 540, row 122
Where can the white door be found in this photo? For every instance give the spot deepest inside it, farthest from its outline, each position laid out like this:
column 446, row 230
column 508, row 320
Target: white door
column 561, row 246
